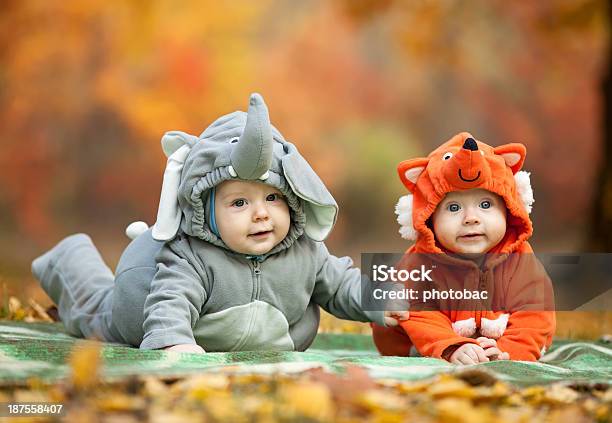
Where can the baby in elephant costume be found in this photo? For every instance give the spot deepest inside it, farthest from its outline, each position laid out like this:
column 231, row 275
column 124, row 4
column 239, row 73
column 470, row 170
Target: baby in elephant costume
column 235, row 260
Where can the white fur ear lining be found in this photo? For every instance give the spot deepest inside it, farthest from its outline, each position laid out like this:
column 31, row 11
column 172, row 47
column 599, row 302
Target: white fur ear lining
column 494, row 328
column 403, row 210
column 413, row 174
column 523, row 186
column 465, row 327
column 511, row 158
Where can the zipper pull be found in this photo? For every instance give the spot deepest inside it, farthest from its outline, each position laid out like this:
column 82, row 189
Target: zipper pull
column 483, row 279
column 256, row 267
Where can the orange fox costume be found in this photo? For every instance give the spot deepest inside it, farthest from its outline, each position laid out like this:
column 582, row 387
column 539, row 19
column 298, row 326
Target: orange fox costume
column 523, row 323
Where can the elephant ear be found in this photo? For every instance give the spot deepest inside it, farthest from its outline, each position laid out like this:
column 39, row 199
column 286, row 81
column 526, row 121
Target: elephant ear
column 513, row 154
column 173, row 140
column 176, row 146
column 319, row 206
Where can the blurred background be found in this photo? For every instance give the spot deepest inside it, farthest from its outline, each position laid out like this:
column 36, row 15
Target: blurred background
column 87, row 89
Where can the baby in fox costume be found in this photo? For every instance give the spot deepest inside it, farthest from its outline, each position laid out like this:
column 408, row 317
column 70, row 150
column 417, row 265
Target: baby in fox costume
column 468, row 214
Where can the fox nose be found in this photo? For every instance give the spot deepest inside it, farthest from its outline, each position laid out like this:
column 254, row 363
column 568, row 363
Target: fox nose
column 470, row 144
column 468, row 167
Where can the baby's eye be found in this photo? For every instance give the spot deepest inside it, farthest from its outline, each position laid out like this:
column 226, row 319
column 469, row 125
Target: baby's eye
column 486, row 204
column 273, row 197
column 453, row 207
column 238, row 203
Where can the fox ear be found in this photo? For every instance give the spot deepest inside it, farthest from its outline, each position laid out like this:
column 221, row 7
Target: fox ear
column 513, row 154
column 410, row 170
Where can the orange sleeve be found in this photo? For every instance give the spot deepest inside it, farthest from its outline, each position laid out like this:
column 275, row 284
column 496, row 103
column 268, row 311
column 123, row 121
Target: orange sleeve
column 431, row 333
column 526, row 334
column 530, row 301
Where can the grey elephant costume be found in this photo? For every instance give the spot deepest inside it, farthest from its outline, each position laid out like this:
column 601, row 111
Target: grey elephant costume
column 178, row 283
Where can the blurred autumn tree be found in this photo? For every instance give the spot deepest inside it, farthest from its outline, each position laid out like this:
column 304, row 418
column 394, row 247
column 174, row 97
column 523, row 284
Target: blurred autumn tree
column 88, row 88
column 601, row 230
column 527, row 72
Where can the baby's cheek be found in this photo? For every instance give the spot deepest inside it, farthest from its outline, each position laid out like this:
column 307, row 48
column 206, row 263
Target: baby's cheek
column 500, row 228
column 445, row 234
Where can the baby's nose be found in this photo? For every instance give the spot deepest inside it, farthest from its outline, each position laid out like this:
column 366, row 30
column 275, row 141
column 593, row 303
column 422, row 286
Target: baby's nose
column 471, row 217
column 261, row 212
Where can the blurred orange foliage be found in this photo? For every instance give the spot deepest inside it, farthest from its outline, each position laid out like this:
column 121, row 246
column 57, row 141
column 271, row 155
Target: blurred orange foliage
column 88, row 88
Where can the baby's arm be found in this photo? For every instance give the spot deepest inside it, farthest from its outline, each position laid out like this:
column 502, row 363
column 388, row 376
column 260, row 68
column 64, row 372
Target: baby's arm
column 338, row 288
column 433, row 335
column 527, row 333
column 174, row 303
column 531, row 323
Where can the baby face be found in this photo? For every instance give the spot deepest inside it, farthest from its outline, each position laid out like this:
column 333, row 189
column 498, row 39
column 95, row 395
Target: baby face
column 252, row 218
column 470, row 222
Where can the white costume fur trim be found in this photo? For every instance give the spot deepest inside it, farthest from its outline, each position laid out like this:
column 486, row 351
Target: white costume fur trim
column 491, row 328
column 403, row 208
column 494, row 328
column 465, row 327
column 523, row 186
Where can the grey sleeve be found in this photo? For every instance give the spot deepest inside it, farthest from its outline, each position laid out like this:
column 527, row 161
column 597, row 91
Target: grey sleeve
column 173, row 305
column 338, row 288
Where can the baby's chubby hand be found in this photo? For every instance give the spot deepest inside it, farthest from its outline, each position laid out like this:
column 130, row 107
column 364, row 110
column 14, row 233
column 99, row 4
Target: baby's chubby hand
column 491, row 350
column 392, row 317
column 188, row 348
column 469, row 354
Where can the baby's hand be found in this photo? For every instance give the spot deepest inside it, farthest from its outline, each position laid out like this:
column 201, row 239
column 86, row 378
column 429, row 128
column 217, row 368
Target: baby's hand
column 491, row 350
column 188, row 348
column 469, row 354
column 392, row 317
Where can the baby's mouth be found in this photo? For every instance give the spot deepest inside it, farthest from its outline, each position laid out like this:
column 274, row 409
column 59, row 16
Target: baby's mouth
column 261, row 234
column 471, row 236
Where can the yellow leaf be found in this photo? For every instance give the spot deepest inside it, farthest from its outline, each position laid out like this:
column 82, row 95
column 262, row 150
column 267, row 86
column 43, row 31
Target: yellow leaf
column 560, row 394
column 153, row 387
column 461, row 410
column 120, row 402
column 376, row 400
column 200, row 387
column 448, row 386
column 497, row 391
column 85, row 363
column 310, row 399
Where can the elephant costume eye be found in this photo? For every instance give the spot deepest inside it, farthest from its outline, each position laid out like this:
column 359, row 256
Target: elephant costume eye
column 234, row 140
column 447, row 156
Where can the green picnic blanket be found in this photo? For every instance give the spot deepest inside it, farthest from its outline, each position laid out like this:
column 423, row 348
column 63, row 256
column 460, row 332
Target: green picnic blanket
column 40, row 350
